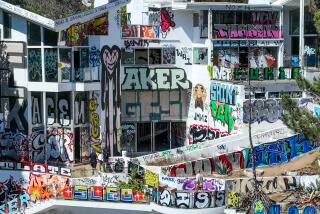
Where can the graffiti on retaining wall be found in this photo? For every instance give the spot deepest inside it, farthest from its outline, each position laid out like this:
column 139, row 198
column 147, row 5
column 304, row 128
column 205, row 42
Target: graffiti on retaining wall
column 277, row 152
column 180, row 183
column 184, row 199
column 14, row 146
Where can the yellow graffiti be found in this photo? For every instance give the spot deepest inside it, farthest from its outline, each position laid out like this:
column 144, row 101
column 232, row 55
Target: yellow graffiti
column 151, row 179
column 258, row 207
column 92, row 105
column 233, row 199
column 95, row 126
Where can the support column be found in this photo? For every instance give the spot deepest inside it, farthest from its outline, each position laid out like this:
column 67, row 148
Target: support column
column 281, row 46
column 45, row 119
column 301, row 34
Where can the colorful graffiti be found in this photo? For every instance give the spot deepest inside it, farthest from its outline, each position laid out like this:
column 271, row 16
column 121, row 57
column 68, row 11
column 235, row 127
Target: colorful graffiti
column 277, row 152
column 201, row 133
column 151, row 179
column 246, row 31
column 60, row 145
column 76, row 34
column 222, row 97
column 166, row 21
column 110, row 82
column 45, row 186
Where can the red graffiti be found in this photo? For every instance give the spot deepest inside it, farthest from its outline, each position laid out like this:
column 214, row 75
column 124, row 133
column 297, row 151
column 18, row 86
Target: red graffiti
column 129, row 31
column 166, row 20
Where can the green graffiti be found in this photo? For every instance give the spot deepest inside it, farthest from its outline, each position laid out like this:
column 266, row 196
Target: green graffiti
column 254, row 73
column 193, row 147
column 295, row 72
column 166, row 153
column 268, row 74
column 282, row 74
column 222, row 112
column 210, row 69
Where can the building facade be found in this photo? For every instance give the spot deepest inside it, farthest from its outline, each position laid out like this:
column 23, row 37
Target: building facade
column 146, row 76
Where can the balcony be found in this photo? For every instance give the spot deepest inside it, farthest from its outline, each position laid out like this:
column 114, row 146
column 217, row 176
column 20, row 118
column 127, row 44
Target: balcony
column 246, row 31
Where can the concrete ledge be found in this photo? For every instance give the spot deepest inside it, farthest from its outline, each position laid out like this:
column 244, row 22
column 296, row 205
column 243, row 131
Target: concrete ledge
column 152, row 207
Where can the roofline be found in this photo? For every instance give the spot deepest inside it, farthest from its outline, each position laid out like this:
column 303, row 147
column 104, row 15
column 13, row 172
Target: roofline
column 86, row 15
column 233, row 7
column 63, row 23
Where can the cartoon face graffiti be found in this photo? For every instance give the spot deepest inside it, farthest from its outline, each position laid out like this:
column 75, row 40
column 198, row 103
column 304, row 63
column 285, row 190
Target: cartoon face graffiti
column 110, row 58
column 199, row 95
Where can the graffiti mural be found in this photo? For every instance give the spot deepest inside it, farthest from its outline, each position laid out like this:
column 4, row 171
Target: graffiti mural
column 34, row 64
column 202, row 133
column 153, row 105
column 166, row 22
column 95, row 132
column 110, row 102
column 145, row 78
column 94, row 57
column 262, row 110
column 60, row 145
column 277, row 152
column 76, row 34
column 42, row 187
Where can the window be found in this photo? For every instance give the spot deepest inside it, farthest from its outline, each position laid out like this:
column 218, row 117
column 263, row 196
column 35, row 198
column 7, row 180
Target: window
column 168, row 56
column 308, row 22
column 141, row 56
column 34, row 34
column 262, row 57
column 296, row 94
column 127, row 56
column 155, row 56
column 195, row 19
column 260, row 95
column 7, row 24
column 34, row 64
column 178, row 134
column 162, row 136
column 243, row 57
column 200, row 56
column 65, row 64
column 274, row 95
column 50, row 37
column 144, row 137
column 51, row 64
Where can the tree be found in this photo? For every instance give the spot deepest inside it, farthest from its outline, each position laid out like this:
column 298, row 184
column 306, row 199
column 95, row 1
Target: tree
column 299, row 119
column 315, row 9
column 53, row 9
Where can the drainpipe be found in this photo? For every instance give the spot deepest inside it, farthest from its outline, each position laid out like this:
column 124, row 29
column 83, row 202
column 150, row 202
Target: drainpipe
column 301, row 35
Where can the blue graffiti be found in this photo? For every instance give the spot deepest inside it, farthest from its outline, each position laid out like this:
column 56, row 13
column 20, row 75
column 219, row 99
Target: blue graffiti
column 280, row 151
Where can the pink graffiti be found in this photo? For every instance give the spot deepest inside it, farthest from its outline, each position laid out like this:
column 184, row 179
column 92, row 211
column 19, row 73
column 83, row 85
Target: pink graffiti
column 213, row 185
column 166, row 20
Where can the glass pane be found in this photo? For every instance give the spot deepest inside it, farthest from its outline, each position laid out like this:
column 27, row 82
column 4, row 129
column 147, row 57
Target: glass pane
column 127, row 57
column 310, row 49
column 155, row 56
column 200, row 56
column 65, row 64
column 141, row 56
column 50, row 37
column 168, row 56
column 128, row 137
column 50, row 64
column 162, row 136
column 144, row 137
column 34, row 64
column 7, row 24
column 34, row 34
column 178, row 134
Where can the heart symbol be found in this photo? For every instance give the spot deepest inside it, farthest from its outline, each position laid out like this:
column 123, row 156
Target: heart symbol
column 110, row 58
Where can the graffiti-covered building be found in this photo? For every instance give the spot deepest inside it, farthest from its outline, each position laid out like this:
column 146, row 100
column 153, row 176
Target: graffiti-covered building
column 142, row 76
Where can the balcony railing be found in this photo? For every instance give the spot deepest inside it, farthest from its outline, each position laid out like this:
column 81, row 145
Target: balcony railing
column 89, row 74
column 246, row 31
